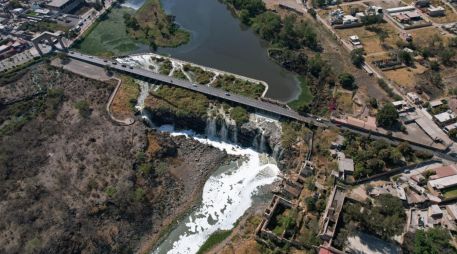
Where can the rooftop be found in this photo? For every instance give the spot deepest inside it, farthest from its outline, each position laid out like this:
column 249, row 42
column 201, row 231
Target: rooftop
column 444, row 171
column 444, row 182
column 436, row 103
column 58, row 3
column 444, row 117
column 346, row 165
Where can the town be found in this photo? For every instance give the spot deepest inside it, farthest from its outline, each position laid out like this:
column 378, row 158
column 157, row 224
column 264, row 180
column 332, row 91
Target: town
column 366, row 146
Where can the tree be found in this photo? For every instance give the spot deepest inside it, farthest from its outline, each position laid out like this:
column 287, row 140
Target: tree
column 405, row 57
column 347, row 81
column 432, row 241
column 312, row 12
column 267, row 25
column 446, row 55
column 387, row 117
column 453, row 133
column 357, row 57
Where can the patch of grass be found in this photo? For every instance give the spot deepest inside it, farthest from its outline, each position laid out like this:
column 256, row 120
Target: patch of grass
column 181, row 101
column 240, row 115
column 450, row 193
column 214, row 239
column 109, row 37
column 199, row 75
column 42, row 26
column 83, row 108
column 234, row 85
column 126, row 97
column 305, row 96
column 179, row 74
column 165, row 67
column 291, row 132
column 110, row 191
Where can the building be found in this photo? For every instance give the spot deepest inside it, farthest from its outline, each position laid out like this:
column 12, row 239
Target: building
column 354, row 39
column 443, row 171
column 450, row 127
column 452, row 212
column 435, row 103
column 414, row 97
column 422, row 3
column 345, row 167
column 435, row 212
column 443, row 183
column 444, row 118
column 64, row 6
column 433, row 11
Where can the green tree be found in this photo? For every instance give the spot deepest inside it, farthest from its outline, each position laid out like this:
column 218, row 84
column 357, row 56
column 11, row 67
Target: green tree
column 387, row 117
column 267, row 25
column 453, row 133
column 446, row 55
column 357, row 57
column 347, row 80
column 405, row 57
column 433, row 241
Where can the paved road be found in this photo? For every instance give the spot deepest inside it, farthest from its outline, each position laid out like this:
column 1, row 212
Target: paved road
column 207, row 90
column 257, row 104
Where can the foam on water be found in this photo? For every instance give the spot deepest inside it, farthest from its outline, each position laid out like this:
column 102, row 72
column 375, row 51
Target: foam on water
column 226, row 196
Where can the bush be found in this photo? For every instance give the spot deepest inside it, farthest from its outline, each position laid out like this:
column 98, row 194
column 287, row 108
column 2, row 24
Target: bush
column 357, row 57
column 240, row 115
column 84, row 109
column 347, row 81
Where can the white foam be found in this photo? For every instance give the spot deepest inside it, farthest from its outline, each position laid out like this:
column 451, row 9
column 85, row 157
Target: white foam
column 226, row 196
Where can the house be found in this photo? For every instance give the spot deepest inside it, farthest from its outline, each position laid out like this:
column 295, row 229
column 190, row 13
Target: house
column 414, row 97
column 354, row 39
column 445, row 118
column 442, row 183
column 348, row 19
column 450, row 127
column 435, row 103
column 345, row 167
column 443, row 171
column 433, row 11
column 452, row 212
column 435, row 212
column 64, row 6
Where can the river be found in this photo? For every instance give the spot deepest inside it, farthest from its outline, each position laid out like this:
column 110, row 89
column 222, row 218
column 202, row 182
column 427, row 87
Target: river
column 226, row 195
column 219, row 40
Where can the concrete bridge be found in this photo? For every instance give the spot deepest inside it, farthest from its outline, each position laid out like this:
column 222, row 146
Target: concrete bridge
column 207, row 90
column 248, row 102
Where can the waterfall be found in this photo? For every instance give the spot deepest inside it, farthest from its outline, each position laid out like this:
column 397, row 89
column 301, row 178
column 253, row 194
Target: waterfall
column 263, row 144
column 223, row 133
column 235, row 134
column 144, row 92
column 145, row 115
column 211, row 128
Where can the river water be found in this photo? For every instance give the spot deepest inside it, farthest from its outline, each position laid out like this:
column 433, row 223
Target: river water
column 226, row 195
column 219, row 40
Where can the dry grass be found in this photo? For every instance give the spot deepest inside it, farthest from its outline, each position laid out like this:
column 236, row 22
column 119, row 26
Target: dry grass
column 405, row 77
column 122, row 103
column 153, row 145
column 422, row 37
column 370, row 40
column 344, row 101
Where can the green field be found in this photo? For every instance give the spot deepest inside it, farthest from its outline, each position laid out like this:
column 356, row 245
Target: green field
column 450, row 193
column 109, row 36
column 305, row 96
column 214, row 239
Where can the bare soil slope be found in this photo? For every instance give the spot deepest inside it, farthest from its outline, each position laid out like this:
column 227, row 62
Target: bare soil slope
column 71, row 181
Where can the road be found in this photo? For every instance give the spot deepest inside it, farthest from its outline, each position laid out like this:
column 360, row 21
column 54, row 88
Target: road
column 207, row 90
column 249, row 102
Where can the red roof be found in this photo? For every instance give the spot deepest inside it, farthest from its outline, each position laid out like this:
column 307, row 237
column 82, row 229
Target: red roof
column 444, row 171
column 324, row 250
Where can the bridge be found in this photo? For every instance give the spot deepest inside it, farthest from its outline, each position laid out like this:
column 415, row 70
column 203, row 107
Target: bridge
column 207, row 90
column 246, row 101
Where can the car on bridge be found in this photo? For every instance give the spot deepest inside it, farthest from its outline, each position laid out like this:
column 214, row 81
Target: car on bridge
column 227, row 94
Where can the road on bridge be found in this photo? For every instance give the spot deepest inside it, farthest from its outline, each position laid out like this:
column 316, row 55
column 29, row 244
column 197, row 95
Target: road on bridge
column 207, row 90
column 253, row 103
